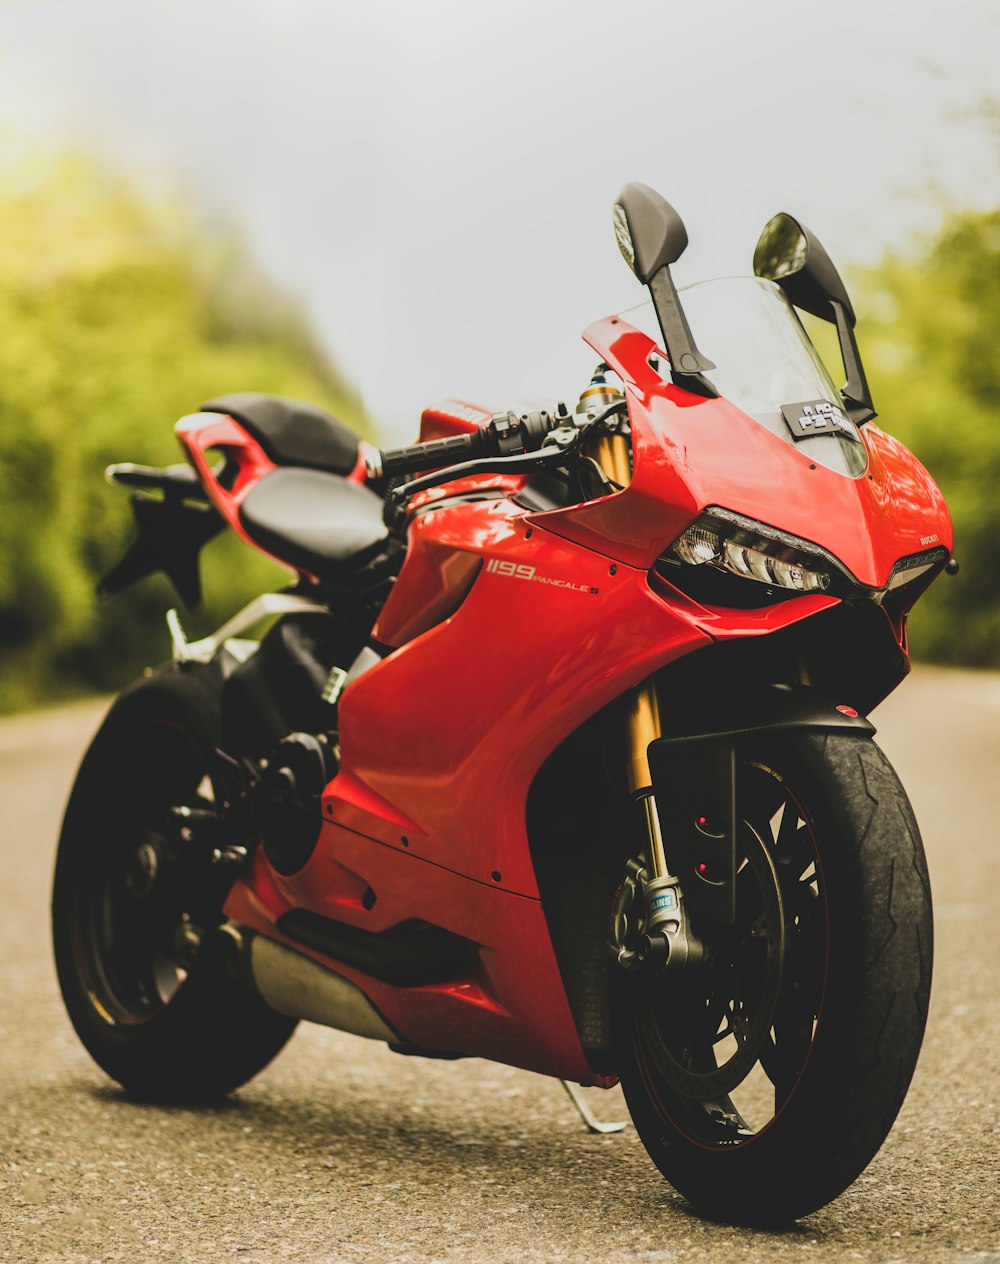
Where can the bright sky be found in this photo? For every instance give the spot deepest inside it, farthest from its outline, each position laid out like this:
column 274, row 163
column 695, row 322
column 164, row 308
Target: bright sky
column 435, row 179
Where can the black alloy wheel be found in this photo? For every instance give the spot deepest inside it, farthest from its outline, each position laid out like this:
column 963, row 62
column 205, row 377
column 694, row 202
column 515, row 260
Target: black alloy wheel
column 137, row 902
column 764, row 1082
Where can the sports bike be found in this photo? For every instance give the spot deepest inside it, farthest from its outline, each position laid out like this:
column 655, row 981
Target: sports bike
column 554, row 750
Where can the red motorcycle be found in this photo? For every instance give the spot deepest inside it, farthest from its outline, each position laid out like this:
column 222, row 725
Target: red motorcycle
column 555, row 750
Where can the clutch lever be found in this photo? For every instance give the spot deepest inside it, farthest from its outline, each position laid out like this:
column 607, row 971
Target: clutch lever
column 558, row 445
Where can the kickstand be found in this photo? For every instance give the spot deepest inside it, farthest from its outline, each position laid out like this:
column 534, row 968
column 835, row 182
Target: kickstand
column 594, row 1125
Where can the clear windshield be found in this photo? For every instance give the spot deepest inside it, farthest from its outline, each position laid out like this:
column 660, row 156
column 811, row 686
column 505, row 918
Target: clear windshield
column 766, row 365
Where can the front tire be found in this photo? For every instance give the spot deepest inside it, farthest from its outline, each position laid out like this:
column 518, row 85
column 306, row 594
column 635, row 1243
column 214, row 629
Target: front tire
column 135, row 908
column 763, row 1086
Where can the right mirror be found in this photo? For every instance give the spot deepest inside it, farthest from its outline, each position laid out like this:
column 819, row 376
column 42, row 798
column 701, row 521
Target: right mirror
column 781, row 249
column 788, row 254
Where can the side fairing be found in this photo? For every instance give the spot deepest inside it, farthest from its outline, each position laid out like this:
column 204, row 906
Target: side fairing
column 440, row 743
column 452, row 727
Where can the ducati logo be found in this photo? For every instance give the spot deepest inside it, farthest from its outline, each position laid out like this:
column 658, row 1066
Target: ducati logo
column 519, row 570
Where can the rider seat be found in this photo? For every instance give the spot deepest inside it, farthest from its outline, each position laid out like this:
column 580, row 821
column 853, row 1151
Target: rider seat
column 317, row 521
column 292, row 432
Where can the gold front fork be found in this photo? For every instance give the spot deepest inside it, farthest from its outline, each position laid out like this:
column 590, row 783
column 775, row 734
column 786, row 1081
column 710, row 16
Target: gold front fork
column 643, row 727
column 668, row 942
column 611, row 452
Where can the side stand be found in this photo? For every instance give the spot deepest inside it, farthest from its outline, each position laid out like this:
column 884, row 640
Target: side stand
column 594, row 1125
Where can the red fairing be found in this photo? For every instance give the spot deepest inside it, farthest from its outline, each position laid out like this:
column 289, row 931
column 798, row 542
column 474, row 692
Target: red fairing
column 505, row 631
column 512, row 1009
column 477, row 724
column 691, row 452
column 542, row 641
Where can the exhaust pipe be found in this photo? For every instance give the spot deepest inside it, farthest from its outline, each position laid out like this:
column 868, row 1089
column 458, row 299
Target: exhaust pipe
column 297, row 986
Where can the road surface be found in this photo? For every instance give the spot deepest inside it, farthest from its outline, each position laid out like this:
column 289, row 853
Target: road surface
column 343, row 1151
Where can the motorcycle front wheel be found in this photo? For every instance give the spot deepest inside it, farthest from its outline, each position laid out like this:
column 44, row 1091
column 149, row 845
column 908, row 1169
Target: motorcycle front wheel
column 764, row 1082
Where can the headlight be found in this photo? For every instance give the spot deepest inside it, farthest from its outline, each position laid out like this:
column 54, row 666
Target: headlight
column 720, row 540
column 753, row 551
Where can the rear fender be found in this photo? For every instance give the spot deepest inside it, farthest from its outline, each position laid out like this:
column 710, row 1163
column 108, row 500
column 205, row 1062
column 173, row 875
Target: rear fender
column 693, row 772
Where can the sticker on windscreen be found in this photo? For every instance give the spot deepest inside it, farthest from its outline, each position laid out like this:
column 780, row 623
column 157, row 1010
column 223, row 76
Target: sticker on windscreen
column 817, row 417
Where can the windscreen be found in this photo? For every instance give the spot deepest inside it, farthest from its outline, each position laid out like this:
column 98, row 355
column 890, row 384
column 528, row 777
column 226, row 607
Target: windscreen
column 766, row 366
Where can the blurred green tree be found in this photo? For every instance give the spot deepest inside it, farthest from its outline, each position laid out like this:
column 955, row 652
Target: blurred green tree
column 116, row 318
column 930, row 329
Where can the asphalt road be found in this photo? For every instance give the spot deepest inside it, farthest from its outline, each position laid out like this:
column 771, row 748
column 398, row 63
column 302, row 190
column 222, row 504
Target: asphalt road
column 343, row 1151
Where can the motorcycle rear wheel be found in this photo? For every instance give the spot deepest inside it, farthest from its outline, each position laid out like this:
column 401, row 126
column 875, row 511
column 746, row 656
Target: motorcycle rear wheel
column 764, row 1085
column 135, row 908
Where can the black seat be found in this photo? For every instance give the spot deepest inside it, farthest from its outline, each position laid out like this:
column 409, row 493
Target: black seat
column 292, row 432
column 317, row 521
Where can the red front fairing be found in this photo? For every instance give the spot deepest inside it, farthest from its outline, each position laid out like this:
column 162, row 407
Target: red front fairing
column 691, row 452
column 511, row 629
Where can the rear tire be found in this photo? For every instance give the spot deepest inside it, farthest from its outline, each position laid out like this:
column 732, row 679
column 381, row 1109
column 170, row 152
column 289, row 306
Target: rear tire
column 833, row 1029
column 135, row 914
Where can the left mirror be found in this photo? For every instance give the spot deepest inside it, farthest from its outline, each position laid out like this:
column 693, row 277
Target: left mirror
column 650, row 233
column 651, row 236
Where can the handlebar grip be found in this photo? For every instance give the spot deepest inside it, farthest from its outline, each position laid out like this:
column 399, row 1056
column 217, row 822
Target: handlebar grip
column 428, row 456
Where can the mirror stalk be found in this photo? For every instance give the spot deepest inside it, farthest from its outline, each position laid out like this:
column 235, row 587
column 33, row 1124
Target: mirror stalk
column 854, row 392
column 686, row 362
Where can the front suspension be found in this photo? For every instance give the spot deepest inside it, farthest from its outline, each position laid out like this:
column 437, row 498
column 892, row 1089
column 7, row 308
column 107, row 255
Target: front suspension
column 651, row 928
